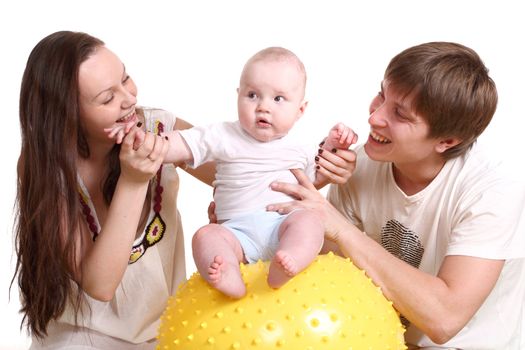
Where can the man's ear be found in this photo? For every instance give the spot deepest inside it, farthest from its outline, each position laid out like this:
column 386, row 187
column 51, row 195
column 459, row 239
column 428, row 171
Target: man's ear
column 447, row 143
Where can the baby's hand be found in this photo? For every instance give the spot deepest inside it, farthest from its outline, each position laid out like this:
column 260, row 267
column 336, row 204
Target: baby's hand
column 335, row 166
column 340, row 136
column 118, row 131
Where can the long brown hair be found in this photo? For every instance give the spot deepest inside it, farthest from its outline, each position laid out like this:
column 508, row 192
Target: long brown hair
column 48, row 209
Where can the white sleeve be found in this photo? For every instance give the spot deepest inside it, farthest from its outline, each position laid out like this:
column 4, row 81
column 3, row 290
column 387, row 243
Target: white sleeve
column 311, row 153
column 490, row 221
column 202, row 141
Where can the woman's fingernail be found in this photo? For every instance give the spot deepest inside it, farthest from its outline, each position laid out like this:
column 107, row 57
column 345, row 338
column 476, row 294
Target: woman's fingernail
column 166, row 137
column 320, row 151
column 316, row 158
column 321, row 144
column 334, row 150
column 317, row 167
column 139, row 124
column 270, row 207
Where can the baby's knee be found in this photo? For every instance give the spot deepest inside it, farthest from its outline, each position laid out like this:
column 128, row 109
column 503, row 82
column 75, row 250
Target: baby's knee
column 204, row 233
column 306, row 216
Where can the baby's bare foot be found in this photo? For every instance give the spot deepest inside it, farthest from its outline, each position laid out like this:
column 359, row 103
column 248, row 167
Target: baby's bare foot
column 282, row 268
column 214, row 271
column 226, row 278
column 287, row 263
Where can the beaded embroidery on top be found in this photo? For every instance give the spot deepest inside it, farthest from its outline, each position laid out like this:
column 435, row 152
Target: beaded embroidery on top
column 154, row 229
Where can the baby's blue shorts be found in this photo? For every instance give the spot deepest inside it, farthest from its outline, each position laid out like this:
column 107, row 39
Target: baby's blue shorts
column 258, row 233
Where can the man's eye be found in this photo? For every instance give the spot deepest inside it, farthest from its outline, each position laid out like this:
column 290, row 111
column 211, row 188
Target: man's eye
column 400, row 115
column 125, row 79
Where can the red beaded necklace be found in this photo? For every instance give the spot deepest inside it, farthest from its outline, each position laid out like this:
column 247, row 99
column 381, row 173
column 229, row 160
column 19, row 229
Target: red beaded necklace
column 154, row 230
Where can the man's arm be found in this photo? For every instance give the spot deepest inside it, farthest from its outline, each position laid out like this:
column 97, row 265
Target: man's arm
column 440, row 306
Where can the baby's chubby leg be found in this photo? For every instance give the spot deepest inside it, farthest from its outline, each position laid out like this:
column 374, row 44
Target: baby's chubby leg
column 217, row 254
column 301, row 236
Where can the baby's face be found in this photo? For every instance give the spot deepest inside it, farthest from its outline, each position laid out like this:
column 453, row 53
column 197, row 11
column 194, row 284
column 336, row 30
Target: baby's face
column 270, row 98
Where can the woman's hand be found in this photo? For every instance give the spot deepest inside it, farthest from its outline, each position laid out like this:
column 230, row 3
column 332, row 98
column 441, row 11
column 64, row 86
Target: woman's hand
column 307, row 197
column 140, row 162
column 335, row 162
column 212, row 217
column 335, row 167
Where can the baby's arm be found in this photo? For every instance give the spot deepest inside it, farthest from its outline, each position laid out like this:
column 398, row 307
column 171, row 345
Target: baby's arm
column 178, row 152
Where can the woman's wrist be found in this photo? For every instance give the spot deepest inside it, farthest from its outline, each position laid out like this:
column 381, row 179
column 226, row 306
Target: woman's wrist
column 131, row 186
column 131, row 179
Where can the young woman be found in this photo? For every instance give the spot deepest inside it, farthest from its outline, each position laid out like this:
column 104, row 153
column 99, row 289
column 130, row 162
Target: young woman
column 98, row 236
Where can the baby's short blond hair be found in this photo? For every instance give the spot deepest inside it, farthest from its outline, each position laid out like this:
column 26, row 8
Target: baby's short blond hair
column 276, row 53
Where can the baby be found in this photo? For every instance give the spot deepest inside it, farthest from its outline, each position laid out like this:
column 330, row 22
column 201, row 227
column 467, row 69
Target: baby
column 250, row 154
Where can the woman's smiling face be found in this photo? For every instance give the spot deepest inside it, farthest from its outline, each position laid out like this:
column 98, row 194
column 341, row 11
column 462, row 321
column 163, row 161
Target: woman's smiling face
column 107, row 94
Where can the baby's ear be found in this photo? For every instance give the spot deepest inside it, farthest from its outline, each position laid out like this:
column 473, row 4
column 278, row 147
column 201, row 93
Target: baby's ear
column 302, row 108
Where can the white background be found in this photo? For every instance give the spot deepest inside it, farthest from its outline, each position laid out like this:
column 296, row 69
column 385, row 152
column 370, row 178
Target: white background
column 186, row 57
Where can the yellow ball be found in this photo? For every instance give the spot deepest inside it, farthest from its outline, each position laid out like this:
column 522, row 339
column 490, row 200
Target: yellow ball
column 330, row 305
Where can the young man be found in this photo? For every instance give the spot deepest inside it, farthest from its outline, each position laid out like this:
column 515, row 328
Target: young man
column 430, row 218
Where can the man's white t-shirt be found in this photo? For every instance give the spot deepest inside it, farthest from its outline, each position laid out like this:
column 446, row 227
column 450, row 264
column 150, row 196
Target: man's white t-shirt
column 246, row 167
column 471, row 208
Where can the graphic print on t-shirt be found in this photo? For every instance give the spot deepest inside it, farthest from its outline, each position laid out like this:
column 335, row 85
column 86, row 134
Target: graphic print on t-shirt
column 404, row 244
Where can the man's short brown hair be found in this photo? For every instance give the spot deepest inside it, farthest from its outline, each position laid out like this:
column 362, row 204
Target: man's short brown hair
column 450, row 88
